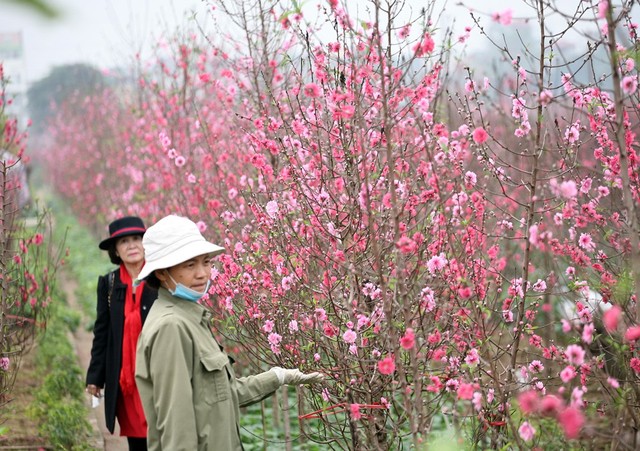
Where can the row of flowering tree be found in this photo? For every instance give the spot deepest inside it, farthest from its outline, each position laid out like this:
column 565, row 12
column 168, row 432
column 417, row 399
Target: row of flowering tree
column 449, row 247
column 28, row 260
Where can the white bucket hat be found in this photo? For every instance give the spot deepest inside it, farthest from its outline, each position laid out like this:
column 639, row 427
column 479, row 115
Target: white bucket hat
column 171, row 241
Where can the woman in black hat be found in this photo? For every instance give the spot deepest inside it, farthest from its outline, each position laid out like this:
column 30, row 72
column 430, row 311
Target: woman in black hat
column 121, row 311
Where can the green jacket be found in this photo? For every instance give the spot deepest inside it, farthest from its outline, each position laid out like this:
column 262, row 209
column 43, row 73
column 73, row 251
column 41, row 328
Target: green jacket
column 188, row 389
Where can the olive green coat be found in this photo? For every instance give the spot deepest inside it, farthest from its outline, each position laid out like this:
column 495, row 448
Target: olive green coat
column 188, row 389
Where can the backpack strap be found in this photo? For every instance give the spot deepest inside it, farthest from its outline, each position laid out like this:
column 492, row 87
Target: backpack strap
column 112, row 276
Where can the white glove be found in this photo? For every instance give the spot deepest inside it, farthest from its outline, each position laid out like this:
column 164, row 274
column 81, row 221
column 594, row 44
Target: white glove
column 295, row 376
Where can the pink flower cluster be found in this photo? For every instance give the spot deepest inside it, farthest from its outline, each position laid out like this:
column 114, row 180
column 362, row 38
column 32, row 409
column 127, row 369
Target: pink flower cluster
column 570, row 418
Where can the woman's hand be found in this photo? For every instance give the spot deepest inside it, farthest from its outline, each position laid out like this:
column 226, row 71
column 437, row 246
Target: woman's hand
column 94, row 391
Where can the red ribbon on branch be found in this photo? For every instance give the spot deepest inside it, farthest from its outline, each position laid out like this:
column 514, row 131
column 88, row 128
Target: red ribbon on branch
column 337, row 408
column 24, row 319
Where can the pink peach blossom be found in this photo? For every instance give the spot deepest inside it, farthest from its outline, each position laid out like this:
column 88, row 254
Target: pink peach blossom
column 480, row 135
column 575, row 354
column 529, row 402
column 354, row 409
column 504, row 18
column 632, row 333
column 611, row 318
column 526, row 431
column 387, row 365
column 567, row 374
column 408, row 340
column 571, row 420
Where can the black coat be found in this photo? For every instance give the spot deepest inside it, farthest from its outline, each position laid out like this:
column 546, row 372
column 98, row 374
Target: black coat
column 106, row 352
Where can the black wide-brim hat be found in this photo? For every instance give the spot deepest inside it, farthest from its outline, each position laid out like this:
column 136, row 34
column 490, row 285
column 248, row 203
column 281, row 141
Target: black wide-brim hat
column 129, row 225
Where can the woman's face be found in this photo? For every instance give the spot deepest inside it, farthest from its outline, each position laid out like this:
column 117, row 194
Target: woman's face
column 130, row 250
column 192, row 274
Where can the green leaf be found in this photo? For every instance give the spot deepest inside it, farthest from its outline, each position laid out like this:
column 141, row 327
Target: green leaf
column 40, row 7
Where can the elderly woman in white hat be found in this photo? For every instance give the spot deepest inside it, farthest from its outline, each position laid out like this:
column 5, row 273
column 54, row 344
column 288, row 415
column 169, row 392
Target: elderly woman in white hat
column 188, row 388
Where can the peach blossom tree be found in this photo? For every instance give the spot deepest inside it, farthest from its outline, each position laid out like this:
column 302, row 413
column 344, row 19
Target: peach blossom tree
column 28, row 257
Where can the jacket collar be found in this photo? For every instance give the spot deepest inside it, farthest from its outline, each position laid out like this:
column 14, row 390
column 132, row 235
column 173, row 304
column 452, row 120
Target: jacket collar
column 191, row 310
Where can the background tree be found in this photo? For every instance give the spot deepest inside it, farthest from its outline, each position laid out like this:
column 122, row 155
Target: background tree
column 62, row 83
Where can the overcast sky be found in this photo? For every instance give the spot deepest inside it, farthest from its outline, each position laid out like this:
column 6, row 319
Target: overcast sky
column 106, row 32
column 102, row 32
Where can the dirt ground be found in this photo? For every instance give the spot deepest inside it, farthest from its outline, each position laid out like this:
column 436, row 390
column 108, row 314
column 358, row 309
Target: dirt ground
column 23, row 431
column 82, row 342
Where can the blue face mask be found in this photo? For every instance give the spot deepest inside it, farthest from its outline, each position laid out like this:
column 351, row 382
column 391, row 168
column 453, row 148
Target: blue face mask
column 186, row 293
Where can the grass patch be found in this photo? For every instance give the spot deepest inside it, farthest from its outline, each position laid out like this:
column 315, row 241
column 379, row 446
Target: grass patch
column 59, row 403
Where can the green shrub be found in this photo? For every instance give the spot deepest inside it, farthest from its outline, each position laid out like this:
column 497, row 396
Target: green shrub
column 66, row 426
column 71, row 318
column 59, row 401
